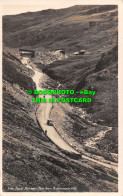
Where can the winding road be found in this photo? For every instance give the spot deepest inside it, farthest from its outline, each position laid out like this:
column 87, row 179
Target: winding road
column 43, row 115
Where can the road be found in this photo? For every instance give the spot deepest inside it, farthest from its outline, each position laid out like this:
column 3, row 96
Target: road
column 43, row 115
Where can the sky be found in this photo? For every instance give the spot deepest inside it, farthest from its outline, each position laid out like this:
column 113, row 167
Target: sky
column 20, row 6
column 16, row 7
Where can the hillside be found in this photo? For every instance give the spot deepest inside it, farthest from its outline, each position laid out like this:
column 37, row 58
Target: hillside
column 30, row 159
column 78, row 27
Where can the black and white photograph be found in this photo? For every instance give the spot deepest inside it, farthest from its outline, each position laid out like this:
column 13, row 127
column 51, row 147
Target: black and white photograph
column 60, row 96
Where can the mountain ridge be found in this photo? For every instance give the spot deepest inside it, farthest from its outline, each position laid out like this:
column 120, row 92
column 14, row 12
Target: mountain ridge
column 58, row 31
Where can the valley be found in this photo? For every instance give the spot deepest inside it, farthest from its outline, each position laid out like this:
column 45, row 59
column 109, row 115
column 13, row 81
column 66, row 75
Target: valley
column 35, row 154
